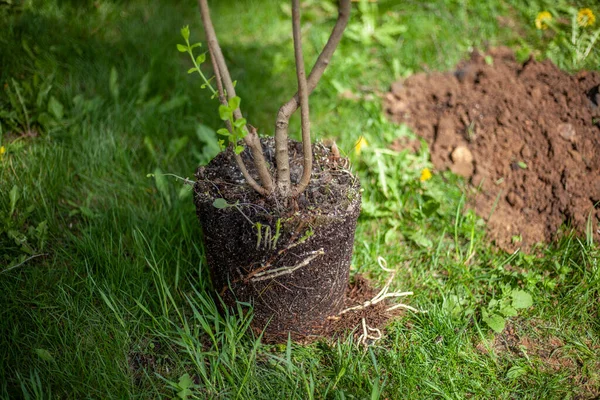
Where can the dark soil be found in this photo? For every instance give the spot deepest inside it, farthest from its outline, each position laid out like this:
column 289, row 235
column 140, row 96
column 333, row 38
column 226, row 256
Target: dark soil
column 297, row 278
column 526, row 134
column 359, row 291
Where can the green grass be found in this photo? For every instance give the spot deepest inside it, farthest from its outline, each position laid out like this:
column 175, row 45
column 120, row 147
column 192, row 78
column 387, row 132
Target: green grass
column 116, row 303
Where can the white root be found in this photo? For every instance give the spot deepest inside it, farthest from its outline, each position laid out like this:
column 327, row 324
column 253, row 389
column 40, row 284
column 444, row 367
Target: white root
column 274, row 273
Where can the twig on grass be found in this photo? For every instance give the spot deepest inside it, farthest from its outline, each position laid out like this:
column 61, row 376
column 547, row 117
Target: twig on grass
column 22, row 263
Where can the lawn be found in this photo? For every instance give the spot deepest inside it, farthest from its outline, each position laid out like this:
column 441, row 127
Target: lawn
column 104, row 291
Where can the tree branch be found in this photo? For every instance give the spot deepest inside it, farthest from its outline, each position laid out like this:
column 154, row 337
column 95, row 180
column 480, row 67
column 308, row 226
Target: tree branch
column 223, row 100
column 286, row 111
column 303, row 94
column 252, row 140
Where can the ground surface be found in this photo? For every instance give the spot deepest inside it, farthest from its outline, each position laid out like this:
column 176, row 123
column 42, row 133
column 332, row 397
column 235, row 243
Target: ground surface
column 104, row 291
column 526, row 134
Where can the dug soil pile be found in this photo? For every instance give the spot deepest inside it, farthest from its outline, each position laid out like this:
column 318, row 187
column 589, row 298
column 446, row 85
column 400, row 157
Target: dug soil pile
column 526, row 134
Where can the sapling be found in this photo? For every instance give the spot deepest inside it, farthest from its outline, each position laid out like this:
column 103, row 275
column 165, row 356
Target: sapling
column 238, row 132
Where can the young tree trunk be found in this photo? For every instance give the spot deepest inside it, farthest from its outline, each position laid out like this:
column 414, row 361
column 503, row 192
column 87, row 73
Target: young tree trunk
column 284, row 186
column 252, row 140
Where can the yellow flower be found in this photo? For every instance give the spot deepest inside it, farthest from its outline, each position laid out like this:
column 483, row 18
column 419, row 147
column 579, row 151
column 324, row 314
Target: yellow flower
column 425, row 174
column 362, row 142
column 585, row 17
column 2, row 151
column 541, row 19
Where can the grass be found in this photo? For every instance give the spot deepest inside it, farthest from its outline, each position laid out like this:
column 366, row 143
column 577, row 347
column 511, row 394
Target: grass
column 104, row 291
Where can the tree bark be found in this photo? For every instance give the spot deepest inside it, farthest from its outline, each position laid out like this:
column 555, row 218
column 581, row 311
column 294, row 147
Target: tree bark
column 286, row 111
column 252, row 140
column 303, row 95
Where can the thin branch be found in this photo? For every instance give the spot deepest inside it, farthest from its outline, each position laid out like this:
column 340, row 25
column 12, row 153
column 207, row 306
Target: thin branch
column 251, row 139
column 303, row 92
column 286, row 111
column 223, row 100
column 22, row 263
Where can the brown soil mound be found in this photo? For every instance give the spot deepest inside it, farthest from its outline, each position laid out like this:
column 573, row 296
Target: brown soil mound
column 527, row 134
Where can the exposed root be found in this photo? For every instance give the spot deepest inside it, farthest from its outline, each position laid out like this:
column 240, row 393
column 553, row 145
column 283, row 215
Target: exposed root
column 274, row 273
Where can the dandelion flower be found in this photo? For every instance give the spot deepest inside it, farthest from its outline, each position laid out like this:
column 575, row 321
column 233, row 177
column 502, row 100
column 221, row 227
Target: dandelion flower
column 2, row 151
column 362, row 142
column 585, row 17
column 425, row 175
column 541, row 20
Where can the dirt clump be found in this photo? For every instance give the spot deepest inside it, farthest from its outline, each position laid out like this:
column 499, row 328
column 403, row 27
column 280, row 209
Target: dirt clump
column 526, row 134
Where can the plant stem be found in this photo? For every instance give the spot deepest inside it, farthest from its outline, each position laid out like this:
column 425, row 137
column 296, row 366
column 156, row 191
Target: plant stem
column 251, row 139
column 303, row 94
column 223, row 100
column 286, row 111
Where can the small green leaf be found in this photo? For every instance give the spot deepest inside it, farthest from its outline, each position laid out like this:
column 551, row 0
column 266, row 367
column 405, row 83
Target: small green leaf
column 521, row 299
column 14, row 197
column 495, row 321
column 508, row 311
column 55, row 108
column 239, row 149
column 182, row 48
column 162, row 185
column 196, row 45
column 224, row 132
column 44, row 354
column 185, row 382
column 201, row 58
column 221, row 203
column 239, row 122
column 113, row 84
column 185, row 32
column 234, row 102
column 225, row 112
column 192, row 70
column 522, row 165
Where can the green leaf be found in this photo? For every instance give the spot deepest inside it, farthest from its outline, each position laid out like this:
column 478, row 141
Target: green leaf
column 185, row 382
column 239, row 149
column 201, row 58
column 495, row 321
column 192, row 70
column 508, row 311
column 430, row 207
column 150, row 147
column 522, row 165
column 14, row 197
column 196, row 45
column 162, row 185
column 44, row 354
column 224, row 132
column 234, row 103
column 185, row 32
column 521, row 299
column 225, row 112
column 221, row 203
column 113, row 84
column 240, row 122
column 182, row 48
column 55, row 108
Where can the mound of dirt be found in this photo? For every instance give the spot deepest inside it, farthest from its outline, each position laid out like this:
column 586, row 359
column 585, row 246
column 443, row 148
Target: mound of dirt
column 526, row 134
